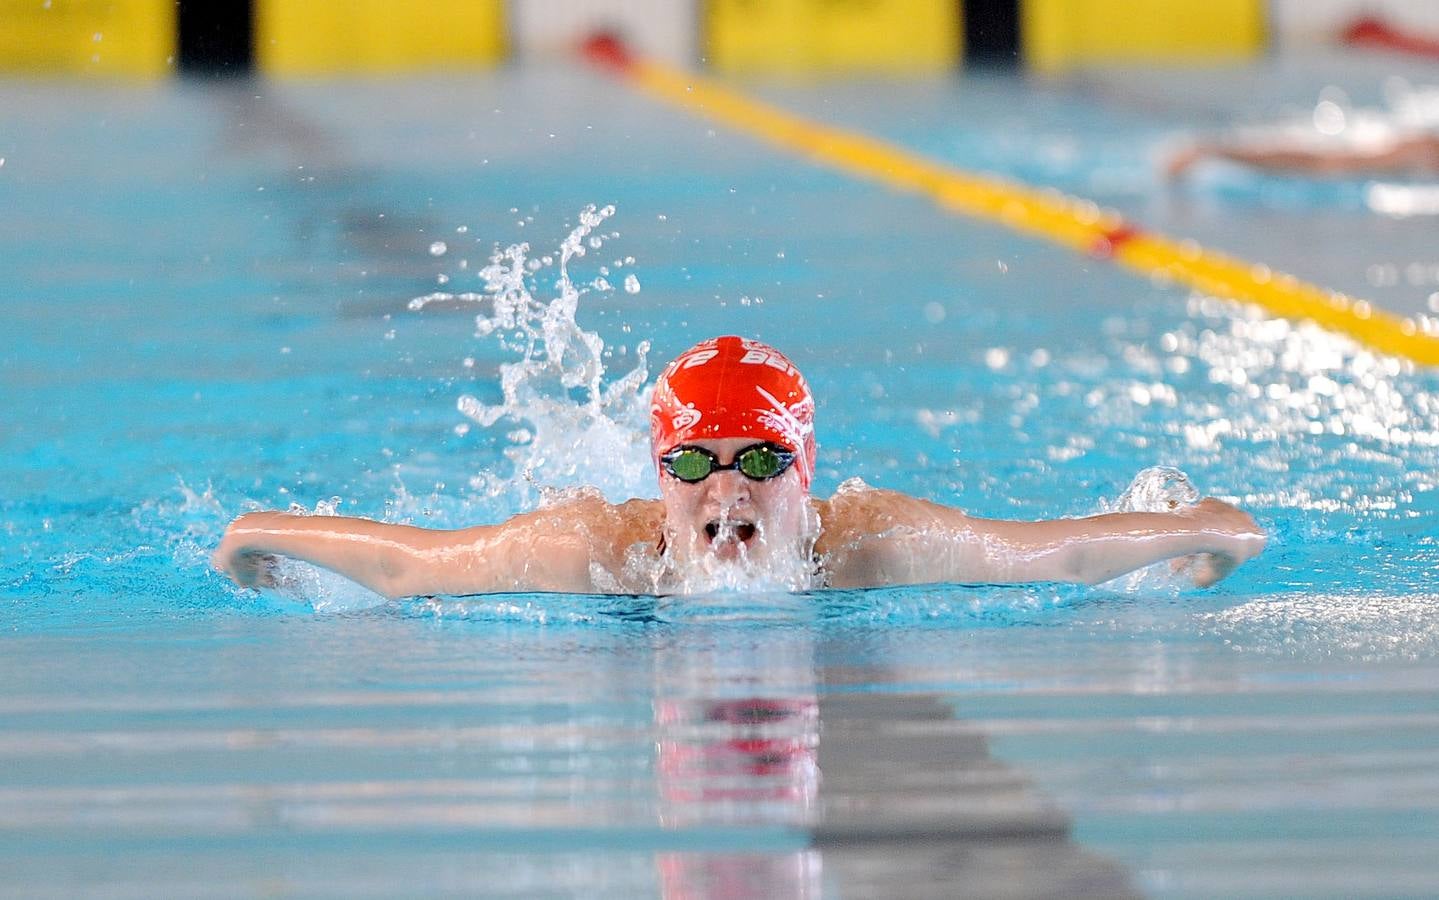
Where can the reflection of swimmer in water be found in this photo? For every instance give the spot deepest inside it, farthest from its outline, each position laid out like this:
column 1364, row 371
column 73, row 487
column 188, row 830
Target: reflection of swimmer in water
column 732, row 433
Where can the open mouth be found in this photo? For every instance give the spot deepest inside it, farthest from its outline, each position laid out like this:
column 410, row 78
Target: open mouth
column 729, row 531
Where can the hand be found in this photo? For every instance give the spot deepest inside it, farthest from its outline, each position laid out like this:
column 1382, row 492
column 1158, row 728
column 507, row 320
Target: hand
column 1234, row 533
column 1204, row 569
column 246, row 567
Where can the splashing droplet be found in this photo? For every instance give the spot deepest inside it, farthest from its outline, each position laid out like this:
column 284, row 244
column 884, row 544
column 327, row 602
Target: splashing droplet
column 574, row 425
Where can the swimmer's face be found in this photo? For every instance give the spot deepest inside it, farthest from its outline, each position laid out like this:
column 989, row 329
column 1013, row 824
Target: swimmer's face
column 729, row 516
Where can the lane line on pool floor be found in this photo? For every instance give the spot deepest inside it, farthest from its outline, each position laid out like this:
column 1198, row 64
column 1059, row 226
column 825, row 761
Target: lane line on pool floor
column 1073, row 222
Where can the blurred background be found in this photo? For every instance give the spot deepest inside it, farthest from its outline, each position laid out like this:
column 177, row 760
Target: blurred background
column 154, row 38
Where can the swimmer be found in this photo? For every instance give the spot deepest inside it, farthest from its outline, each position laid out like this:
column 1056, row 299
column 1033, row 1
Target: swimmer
column 1413, row 155
column 732, row 435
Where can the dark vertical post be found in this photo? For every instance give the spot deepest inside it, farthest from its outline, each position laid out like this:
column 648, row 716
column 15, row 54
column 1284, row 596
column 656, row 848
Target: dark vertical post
column 991, row 32
column 216, row 37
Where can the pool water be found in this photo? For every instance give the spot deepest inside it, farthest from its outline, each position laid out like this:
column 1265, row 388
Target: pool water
column 208, row 288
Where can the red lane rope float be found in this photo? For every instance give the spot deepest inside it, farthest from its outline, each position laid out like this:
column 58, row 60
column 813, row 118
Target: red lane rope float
column 1114, row 238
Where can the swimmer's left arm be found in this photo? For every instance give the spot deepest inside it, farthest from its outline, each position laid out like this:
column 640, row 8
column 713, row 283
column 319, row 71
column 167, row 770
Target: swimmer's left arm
column 1212, row 536
column 889, row 538
column 1409, row 154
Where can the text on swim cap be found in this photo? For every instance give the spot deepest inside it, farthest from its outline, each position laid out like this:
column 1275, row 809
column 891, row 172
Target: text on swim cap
column 698, row 358
column 763, row 358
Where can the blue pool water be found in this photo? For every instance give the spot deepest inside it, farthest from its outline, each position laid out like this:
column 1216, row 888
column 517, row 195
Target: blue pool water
column 207, row 288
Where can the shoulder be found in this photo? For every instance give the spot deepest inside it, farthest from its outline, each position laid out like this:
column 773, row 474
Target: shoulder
column 604, row 530
column 857, row 504
column 589, row 511
column 858, row 513
column 558, row 546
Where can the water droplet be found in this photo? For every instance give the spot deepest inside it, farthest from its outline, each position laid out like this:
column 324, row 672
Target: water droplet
column 438, row 248
column 463, row 229
column 632, row 284
column 442, row 278
column 934, row 312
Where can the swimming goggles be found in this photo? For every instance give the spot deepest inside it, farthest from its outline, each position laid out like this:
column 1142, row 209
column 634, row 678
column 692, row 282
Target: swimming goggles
column 757, row 462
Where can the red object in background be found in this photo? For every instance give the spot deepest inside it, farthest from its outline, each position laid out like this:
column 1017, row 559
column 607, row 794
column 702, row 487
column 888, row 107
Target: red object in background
column 605, row 48
column 1373, row 32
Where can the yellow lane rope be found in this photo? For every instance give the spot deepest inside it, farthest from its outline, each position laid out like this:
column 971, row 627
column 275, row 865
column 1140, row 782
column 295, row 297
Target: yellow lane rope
column 1050, row 214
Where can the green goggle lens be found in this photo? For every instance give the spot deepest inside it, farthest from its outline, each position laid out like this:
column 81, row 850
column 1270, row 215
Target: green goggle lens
column 759, row 462
column 690, row 465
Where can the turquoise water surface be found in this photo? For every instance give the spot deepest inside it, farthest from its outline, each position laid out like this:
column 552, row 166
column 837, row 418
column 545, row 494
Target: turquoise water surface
column 207, row 291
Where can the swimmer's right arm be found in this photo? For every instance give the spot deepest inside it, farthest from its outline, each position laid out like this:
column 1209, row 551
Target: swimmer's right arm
column 405, row 561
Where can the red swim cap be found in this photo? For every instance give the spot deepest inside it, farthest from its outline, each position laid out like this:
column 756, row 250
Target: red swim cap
column 730, row 387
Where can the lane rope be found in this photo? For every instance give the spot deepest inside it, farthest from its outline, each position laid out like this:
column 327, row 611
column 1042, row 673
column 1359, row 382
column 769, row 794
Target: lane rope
column 1079, row 224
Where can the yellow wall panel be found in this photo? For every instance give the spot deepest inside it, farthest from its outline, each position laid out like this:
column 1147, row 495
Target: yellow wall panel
column 832, row 35
column 308, row 37
column 1061, row 33
column 133, row 38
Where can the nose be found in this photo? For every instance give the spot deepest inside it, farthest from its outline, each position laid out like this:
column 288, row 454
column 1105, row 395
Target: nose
column 728, row 489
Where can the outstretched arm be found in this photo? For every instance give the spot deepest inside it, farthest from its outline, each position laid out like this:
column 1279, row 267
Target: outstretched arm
column 881, row 537
column 1410, row 155
column 402, row 561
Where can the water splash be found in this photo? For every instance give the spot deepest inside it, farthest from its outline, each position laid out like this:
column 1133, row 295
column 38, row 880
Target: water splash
column 1157, row 489
column 747, row 575
column 573, row 428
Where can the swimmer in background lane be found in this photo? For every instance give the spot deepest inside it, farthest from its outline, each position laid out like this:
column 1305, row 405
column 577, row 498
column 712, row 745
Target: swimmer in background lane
column 1414, row 155
column 732, row 432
